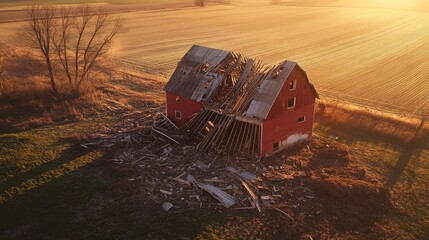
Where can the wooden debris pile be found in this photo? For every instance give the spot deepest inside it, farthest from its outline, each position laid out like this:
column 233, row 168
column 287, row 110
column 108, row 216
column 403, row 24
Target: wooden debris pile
column 167, row 168
column 171, row 171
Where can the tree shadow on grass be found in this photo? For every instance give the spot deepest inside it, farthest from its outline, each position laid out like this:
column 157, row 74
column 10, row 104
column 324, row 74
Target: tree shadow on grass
column 70, row 154
column 48, row 211
column 407, row 154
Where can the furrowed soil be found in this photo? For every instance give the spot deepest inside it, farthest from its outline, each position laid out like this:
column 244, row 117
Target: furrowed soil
column 372, row 55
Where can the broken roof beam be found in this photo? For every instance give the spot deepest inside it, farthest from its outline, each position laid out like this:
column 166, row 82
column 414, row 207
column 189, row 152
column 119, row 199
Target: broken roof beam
column 214, row 141
column 163, row 135
column 243, row 100
column 238, row 85
column 250, row 94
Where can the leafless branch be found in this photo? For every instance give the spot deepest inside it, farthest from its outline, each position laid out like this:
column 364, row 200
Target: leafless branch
column 40, row 29
column 77, row 37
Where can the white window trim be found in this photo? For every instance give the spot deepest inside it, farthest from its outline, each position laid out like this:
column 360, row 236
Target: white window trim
column 175, row 114
column 294, row 103
column 303, row 120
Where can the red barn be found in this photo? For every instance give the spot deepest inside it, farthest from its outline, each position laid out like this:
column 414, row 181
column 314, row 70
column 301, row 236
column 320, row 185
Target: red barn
column 236, row 104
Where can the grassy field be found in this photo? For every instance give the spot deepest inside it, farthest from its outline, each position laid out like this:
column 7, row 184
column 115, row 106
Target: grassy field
column 51, row 188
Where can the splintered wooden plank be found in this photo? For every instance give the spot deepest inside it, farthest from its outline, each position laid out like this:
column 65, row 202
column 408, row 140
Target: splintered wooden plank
column 252, row 195
column 165, row 136
column 251, row 139
column 244, row 137
column 238, row 138
column 231, row 133
column 255, row 140
column 226, row 122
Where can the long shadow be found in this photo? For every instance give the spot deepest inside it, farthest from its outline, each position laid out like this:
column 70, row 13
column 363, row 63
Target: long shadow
column 50, row 211
column 401, row 164
column 71, row 153
column 411, row 148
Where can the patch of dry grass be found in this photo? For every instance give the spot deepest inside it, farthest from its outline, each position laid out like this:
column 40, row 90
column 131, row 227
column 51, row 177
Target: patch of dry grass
column 400, row 129
column 26, row 100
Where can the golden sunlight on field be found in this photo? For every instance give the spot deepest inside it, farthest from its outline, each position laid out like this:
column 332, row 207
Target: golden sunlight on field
column 367, row 56
column 364, row 52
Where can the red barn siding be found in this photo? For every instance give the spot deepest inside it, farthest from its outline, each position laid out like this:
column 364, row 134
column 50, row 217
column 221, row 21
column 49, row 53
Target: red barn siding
column 186, row 106
column 303, row 93
column 282, row 122
column 282, row 126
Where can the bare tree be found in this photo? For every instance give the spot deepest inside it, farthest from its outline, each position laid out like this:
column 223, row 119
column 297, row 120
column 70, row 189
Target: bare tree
column 75, row 38
column 82, row 38
column 61, row 38
column 40, row 30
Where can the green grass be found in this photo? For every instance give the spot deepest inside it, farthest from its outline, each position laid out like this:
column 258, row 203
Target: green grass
column 49, row 188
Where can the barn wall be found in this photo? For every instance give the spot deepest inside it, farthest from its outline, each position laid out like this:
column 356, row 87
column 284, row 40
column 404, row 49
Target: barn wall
column 286, row 130
column 186, row 106
column 282, row 124
column 303, row 94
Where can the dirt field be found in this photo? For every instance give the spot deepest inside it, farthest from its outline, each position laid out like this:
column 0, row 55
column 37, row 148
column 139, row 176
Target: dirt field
column 368, row 56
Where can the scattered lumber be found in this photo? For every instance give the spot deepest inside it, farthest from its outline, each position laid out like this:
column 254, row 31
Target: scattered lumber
column 167, row 167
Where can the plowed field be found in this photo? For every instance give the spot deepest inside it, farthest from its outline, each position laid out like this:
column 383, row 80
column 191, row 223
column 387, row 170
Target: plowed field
column 370, row 56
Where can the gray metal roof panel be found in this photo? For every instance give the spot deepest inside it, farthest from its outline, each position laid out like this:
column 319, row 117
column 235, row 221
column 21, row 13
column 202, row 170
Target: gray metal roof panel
column 268, row 91
column 187, row 81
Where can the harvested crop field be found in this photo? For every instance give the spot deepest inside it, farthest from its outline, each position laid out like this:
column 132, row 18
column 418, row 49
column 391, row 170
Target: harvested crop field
column 366, row 56
column 370, row 56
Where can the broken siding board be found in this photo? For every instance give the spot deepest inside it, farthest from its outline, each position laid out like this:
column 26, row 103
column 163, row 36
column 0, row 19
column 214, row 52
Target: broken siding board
column 224, row 131
column 231, row 133
column 244, row 137
column 256, row 139
column 253, row 139
column 235, row 137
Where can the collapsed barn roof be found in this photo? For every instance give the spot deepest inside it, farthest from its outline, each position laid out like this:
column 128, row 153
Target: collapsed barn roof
column 229, row 83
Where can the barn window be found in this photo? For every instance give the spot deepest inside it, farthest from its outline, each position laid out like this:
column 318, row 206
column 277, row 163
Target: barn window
column 178, row 114
column 301, row 119
column 276, row 146
column 177, row 98
column 292, row 85
column 291, row 103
